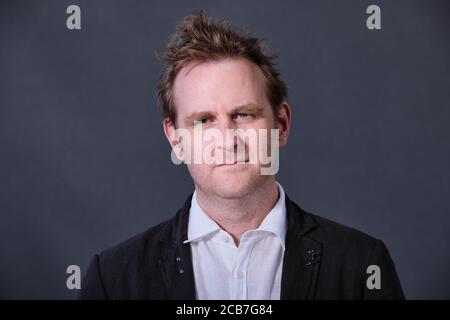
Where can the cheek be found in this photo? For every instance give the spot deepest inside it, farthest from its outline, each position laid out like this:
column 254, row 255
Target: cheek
column 267, row 122
column 200, row 171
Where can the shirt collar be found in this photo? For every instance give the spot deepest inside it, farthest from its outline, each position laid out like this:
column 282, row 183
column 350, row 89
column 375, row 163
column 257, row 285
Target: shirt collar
column 201, row 225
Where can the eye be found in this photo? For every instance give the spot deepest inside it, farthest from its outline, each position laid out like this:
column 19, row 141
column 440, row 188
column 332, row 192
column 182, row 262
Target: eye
column 201, row 121
column 242, row 115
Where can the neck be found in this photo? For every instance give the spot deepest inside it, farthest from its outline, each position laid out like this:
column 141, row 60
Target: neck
column 238, row 215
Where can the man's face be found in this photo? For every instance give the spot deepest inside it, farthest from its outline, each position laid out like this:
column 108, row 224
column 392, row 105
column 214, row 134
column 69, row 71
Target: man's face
column 224, row 94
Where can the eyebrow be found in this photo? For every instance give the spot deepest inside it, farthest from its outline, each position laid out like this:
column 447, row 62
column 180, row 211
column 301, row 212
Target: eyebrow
column 197, row 116
column 248, row 108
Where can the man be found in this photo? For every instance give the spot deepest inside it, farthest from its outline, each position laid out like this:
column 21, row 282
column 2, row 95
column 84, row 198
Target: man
column 239, row 236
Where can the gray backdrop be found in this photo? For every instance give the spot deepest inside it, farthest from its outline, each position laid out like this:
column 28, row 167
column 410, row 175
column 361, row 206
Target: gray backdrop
column 84, row 163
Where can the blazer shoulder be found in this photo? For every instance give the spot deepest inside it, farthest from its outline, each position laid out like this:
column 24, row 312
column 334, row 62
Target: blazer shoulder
column 336, row 234
column 137, row 245
column 148, row 242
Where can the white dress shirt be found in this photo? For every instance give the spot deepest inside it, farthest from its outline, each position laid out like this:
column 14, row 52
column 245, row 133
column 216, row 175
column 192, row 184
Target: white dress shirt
column 250, row 271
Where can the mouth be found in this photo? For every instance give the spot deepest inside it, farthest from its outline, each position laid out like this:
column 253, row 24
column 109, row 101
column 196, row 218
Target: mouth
column 232, row 164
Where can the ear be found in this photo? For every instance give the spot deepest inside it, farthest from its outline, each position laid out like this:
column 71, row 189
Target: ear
column 170, row 133
column 284, row 122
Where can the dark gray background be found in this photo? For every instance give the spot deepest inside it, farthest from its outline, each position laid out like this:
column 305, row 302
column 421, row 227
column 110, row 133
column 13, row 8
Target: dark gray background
column 84, row 163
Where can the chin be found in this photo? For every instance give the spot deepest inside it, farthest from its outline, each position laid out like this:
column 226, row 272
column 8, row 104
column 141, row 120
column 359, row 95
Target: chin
column 230, row 191
column 228, row 182
column 234, row 185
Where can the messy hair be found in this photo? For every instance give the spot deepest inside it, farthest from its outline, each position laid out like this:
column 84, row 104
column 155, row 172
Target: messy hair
column 200, row 39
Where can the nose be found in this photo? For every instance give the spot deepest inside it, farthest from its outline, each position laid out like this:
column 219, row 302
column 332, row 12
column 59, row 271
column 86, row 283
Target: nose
column 229, row 143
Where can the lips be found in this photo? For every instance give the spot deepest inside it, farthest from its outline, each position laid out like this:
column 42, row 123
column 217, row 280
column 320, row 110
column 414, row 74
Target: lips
column 232, row 164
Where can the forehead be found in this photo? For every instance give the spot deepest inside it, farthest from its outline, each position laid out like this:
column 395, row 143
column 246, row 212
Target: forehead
column 218, row 85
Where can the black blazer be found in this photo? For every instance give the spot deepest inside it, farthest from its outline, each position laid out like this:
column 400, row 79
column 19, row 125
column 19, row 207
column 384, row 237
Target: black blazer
column 323, row 260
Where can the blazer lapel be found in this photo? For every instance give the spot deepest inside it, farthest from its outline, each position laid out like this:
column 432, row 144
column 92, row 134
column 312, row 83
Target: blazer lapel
column 176, row 259
column 302, row 256
column 301, row 261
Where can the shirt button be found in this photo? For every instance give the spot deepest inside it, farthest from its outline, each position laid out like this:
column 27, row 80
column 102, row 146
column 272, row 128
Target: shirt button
column 239, row 275
column 225, row 238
